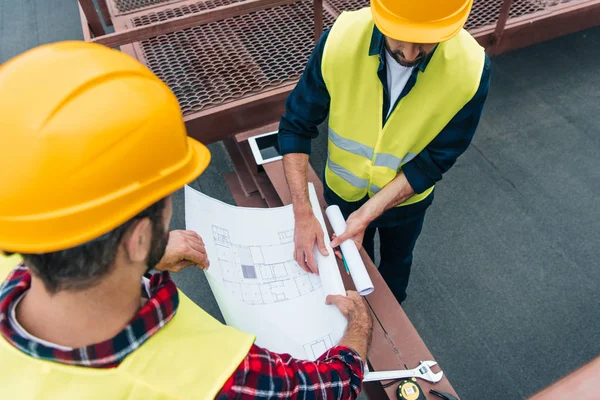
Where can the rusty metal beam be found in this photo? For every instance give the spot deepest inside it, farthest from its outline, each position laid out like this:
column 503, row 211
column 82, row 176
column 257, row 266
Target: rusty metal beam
column 225, row 121
column 92, row 17
column 267, row 105
column 105, row 12
column 241, row 199
column 148, row 9
column 239, row 166
column 318, row 17
column 330, row 10
column 243, row 136
column 85, row 27
column 560, row 21
column 500, row 25
column 187, row 21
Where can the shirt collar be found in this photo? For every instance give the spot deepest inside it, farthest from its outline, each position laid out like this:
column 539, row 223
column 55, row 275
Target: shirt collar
column 150, row 318
column 377, row 48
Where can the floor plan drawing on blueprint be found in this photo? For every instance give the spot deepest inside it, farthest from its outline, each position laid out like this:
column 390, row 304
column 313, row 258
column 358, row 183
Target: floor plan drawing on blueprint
column 257, row 283
column 262, row 274
column 318, row 346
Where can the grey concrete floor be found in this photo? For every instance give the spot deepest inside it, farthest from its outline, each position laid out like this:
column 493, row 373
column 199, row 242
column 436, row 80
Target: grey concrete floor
column 506, row 283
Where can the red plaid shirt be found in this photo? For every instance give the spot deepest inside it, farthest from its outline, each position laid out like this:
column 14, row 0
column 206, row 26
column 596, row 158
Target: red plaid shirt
column 337, row 374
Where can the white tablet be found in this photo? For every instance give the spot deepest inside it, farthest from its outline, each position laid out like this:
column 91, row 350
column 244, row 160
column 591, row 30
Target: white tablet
column 264, row 148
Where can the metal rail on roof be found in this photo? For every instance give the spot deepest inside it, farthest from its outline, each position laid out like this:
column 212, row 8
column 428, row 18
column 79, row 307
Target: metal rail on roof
column 231, row 63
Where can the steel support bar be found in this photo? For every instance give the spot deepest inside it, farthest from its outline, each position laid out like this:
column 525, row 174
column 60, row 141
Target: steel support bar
column 85, row 28
column 187, row 21
column 318, row 17
column 561, row 21
column 105, row 12
column 500, row 25
column 239, row 116
column 92, row 17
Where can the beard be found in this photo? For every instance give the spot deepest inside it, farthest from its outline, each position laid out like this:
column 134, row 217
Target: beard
column 158, row 244
column 398, row 56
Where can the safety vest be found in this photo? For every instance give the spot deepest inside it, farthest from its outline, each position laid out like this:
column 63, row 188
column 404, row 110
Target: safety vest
column 191, row 357
column 363, row 155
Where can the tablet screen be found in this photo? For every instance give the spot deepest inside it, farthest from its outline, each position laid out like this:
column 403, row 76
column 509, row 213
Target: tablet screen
column 266, row 146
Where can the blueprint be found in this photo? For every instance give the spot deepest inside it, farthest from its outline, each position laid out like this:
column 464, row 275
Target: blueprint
column 261, row 274
column 257, row 283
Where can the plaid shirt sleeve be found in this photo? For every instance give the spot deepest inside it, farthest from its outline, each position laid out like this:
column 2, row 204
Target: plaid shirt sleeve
column 337, row 374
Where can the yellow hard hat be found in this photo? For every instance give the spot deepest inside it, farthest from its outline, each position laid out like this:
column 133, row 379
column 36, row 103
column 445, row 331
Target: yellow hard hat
column 89, row 137
column 425, row 21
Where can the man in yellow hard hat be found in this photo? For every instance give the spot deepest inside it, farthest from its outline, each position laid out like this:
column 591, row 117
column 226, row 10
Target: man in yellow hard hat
column 92, row 145
column 404, row 86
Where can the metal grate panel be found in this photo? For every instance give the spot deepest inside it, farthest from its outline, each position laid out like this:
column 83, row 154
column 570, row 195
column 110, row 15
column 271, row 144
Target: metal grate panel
column 224, row 61
column 486, row 12
column 126, row 6
column 483, row 13
column 228, row 60
column 180, row 11
column 348, row 5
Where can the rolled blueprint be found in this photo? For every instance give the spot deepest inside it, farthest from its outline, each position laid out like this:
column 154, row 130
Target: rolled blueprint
column 356, row 267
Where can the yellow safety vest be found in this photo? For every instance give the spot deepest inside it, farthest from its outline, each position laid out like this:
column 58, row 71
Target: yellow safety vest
column 191, row 357
column 363, row 155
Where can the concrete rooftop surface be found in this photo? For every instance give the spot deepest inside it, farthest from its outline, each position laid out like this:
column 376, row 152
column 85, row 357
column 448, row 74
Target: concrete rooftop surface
column 505, row 289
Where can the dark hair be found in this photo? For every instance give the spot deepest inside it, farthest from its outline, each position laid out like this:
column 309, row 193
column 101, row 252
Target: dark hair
column 83, row 266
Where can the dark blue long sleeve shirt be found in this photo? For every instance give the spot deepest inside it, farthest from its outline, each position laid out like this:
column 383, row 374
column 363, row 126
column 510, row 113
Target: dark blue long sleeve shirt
column 308, row 106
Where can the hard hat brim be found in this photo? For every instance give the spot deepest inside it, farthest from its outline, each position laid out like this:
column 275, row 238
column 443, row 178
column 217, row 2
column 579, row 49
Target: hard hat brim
column 41, row 233
column 428, row 32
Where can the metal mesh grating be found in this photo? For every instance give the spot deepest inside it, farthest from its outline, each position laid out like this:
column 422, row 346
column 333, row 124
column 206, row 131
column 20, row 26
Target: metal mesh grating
column 348, row 5
column 230, row 59
column 180, row 11
column 484, row 12
column 224, row 61
column 487, row 12
column 125, row 6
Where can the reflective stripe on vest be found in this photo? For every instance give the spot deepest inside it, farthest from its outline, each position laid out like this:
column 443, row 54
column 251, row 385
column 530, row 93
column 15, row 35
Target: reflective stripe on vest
column 347, row 175
column 382, row 159
column 191, row 357
column 363, row 155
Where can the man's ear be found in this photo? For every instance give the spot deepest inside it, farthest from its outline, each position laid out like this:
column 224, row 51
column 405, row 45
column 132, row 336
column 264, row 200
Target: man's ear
column 137, row 242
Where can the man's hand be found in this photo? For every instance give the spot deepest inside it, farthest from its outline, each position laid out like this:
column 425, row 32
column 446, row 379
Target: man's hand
column 184, row 248
column 355, row 230
column 360, row 322
column 352, row 306
column 307, row 231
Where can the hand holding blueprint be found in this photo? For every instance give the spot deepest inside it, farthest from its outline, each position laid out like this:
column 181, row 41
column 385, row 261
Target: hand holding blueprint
column 257, row 283
column 356, row 267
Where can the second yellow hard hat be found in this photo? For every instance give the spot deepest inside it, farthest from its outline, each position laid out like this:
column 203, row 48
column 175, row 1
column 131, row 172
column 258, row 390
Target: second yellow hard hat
column 89, row 137
column 425, row 21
